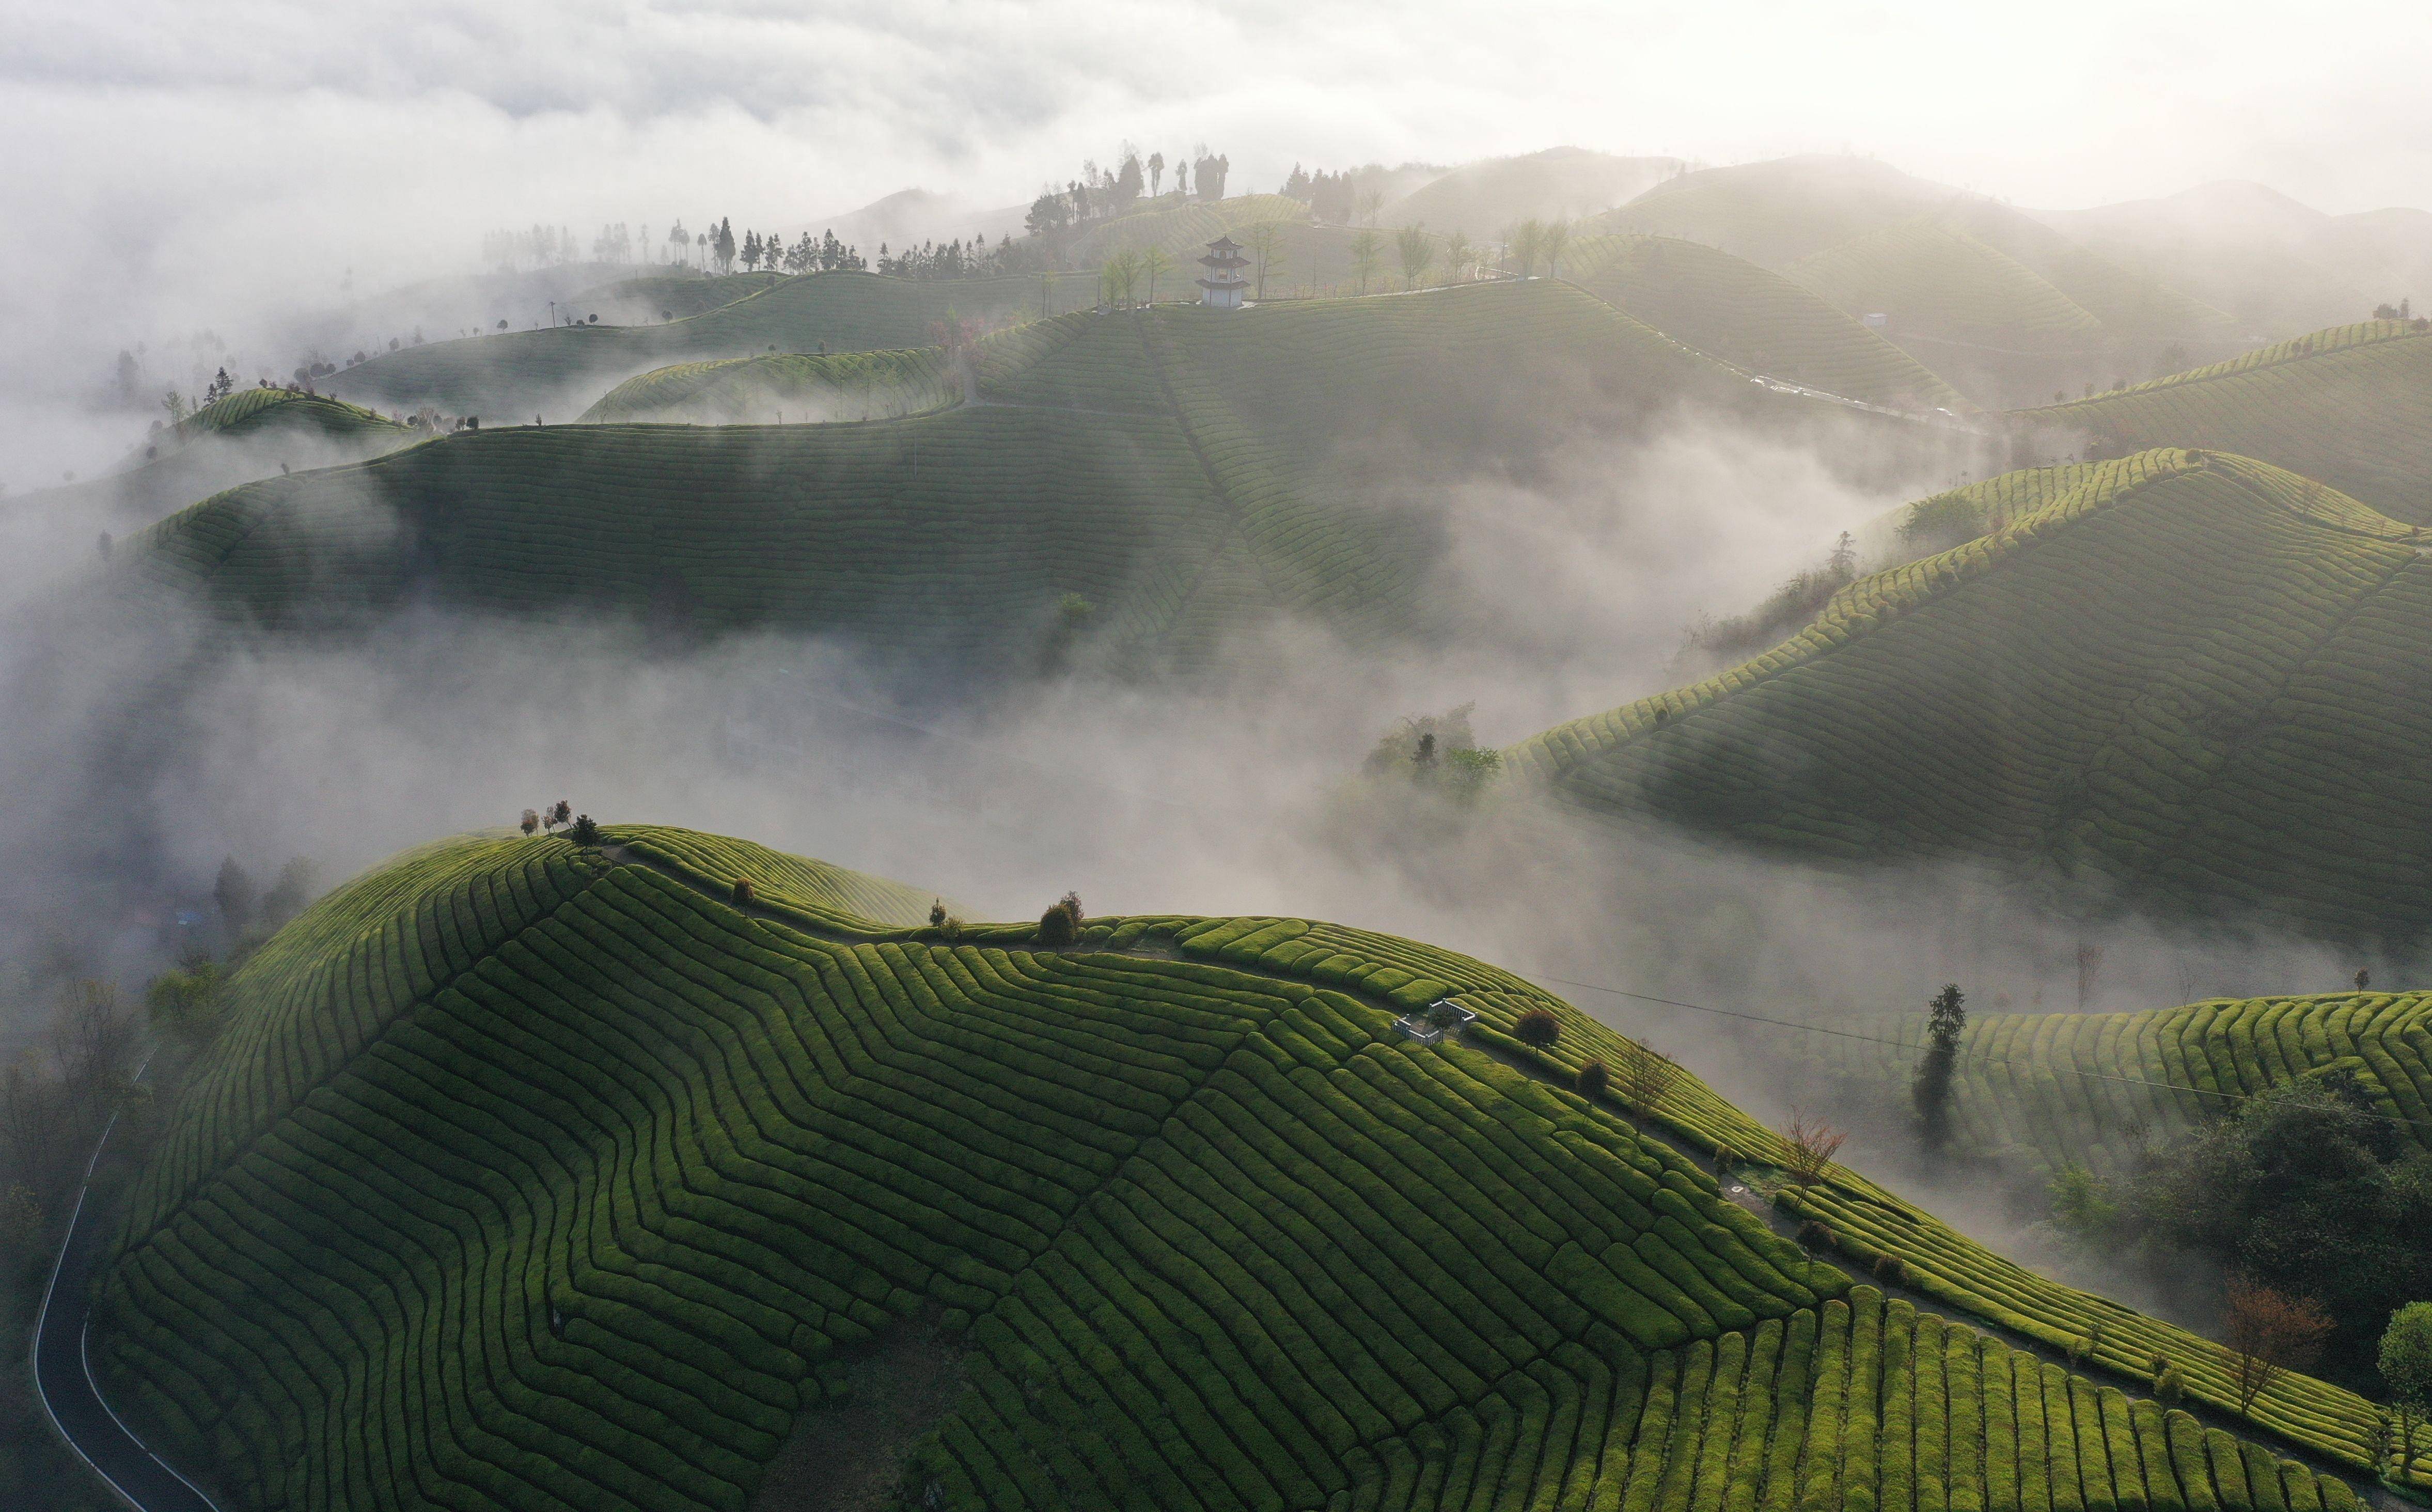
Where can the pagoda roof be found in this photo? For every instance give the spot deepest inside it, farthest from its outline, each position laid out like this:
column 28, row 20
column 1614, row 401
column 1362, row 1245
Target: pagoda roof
column 1224, row 243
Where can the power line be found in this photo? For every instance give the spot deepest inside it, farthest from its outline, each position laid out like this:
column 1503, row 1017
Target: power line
column 1990, row 1060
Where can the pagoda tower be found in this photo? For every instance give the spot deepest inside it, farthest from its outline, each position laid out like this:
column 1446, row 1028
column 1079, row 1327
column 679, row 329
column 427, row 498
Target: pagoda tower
column 1224, row 285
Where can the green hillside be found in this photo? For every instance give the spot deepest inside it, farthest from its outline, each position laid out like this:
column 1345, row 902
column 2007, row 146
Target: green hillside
column 1958, row 515
column 1775, row 214
column 564, row 369
column 1782, row 213
column 1561, row 183
column 791, row 387
column 1755, row 318
column 1183, row 471
column 2351, row 406
column 2089, row 1087
column 2189, row 681
column 532, row 1176
column 665, row 297
column 1184, row 230
column 1933, row 279
column 249, row 434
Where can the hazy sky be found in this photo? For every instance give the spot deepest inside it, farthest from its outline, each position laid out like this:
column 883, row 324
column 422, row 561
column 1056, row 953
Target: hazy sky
column 174, row 161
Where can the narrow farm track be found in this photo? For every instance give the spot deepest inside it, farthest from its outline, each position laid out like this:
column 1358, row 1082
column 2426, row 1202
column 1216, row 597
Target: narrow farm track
column 63, row 1381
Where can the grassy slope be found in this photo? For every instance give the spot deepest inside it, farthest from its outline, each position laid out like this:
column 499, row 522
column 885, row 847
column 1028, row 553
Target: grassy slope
column 1483, row 198
column 804, row 386
column 1184, row 231
column 246, row 435
column 1780, row 214
column 1756, row 318
column 1934, row 279
column 2169, row 680
column 2351, row 406
column 1183, row 470
column 667, row 296
column 494, row 377
column 2068, row 1086
column 529, row 1177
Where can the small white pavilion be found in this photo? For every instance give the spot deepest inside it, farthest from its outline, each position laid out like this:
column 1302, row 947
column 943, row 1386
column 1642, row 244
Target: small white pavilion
column 1224, row 286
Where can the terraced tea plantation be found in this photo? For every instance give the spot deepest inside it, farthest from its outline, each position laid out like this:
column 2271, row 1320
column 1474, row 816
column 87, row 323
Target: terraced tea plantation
column 2351, row 407
column 535, row 1176
column 1754, row 318
column 2072, row 1086
column 1932, row 277
column 559, row 372
column 2192, row 681
column 1183, row 472
column 785, row 388
column 248, row 434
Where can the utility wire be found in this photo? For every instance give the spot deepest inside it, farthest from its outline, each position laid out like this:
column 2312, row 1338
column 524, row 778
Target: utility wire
column 1990, row 1060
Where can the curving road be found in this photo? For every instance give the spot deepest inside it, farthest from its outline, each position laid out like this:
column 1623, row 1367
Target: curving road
column 63, row 1379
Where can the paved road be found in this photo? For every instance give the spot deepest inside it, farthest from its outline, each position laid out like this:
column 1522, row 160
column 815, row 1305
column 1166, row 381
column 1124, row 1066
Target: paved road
column 63, row 1379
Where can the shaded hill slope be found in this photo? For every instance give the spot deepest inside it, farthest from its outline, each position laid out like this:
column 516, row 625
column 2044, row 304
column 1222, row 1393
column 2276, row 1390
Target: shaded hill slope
column 672, row 295
column 2351, row 407
column 1558, row 183
column 778, row 388
column 1931, row 277
column 517, row 374
column 1754, row 317
column 1183, row 471
column 249, row 434
column 2280, row 266
column 2172, row 686
column 530, row 1176
column 2093, row 1088
column 2000, row 304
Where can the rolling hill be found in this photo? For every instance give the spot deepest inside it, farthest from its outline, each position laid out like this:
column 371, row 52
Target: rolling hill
column 529, row 1175
column 770, row 387
column 1183, row 472
column 2092, row 1087
column 564, row 369
column 1999, row 303
column 2280, row 266
column 248, row 435
column 1183, row 231
column 2351, row 407
column 1558, row 183
column 670, row 295
column 2189, row 681
column 1930, row 277
column 1753, row 317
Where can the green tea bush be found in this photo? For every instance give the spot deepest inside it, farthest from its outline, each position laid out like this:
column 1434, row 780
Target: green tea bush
column 589, row 1183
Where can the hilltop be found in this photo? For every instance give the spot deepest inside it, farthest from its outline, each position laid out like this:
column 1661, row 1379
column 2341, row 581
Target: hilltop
column 1183, row 472
column 2278, row 265
column 596, row 1183
column 2351, row 407
column 513, row 375
column 244, row 436
column 1558, row 183
column 1994, row 300
column 2187, row 681
column 1753, row 318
